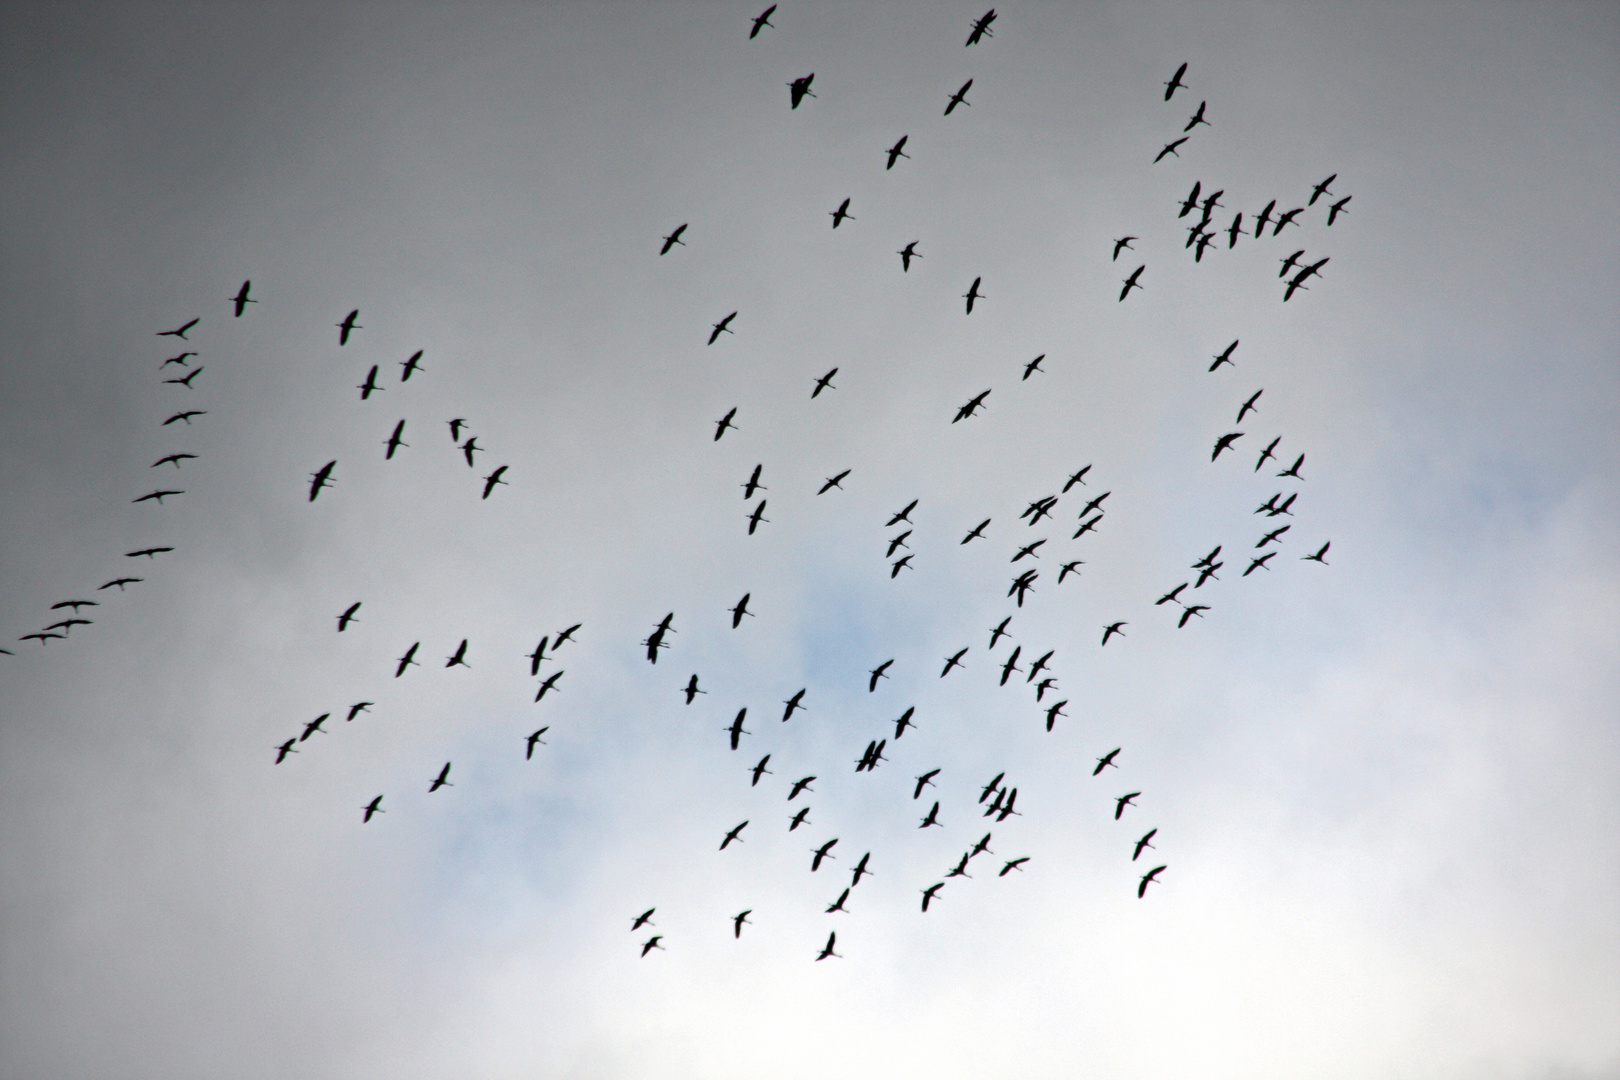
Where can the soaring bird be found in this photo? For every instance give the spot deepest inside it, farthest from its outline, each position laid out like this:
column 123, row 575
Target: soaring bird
column 42, row 637
column 539, row 655
column 395, row 441
column 1286, row 219
column 469, row 448
column 408, row 660
column 1224, row 442
column 760, row 770
column 284, row 749
column 799, row 88
column 821, row 853
column 1189, row 612
column 1204, row 575
column 181, row 360
column 347, row 617
column 992, row 786
column 492, row 479
column 1261, row 219
column 1106, row 761
column 1197, row 117
column 902, row 515
column 793, row 703
column 736, row 730
column 348, row 326
column 1318, row 557
column 150, row 553
column 823, row 383
column 1203, row 244
column 800, row 785
column 878, row 673
column 565, row 635
column 644, row 919
column 959, row 98
column 827, row 950
column 370, row 384
column 74, row 604
column 158, row 495
column 1028, row 549
column 357, row 708
column 1234, row 231
column 67, row 625
column 898, row 542
column 241, row 301
column 410, row 366
column 1040, row 508
column 1122, row 802
column 1022, row 584
column 1319, row 190
column 932, row 818
column 673, row 238
column 833, row 482
column 757, row 516
column 186, row 416
column 322, row 478
column 1170, row 148
column 459, row 656
column 971, row 407
column 1123, row 243
column 1248, row 406
column 741, row 917
column 1338, row 208
column 977, row 531
column 120, row 582
column 838, row 905
column 1289, row 263
column 929, row 894
column 1267, row 454
column 1293, row 470
column 734, row 834
column 528, row 753
column 1259, row 563
column 903, row 721
column 1131, row 282
column 1190, row 203
column 740, row 610
column 179, row 332
column 860, row 870
column 723, row 423
column 1011, row 665
column 925, row 780
column 691, row 689
column 762, row 20
column 1151, row 875
column 840, row 214
column 960, row 869
column 1054, row 712
column 721, row 327
column 953, row 661
column 1033, row 366
column 752, row 485
column 549, row 684
column 1174, row 83
column 652, row 943
column 315, row 725
column 908, row 253
column 1273, row 535
column 1111, row 629
column 895, row 152
column 981, row 27
column 971, row 295
column 1070, row 567
column 372, row 807
column 455, row 429
column 185, row 380
column 799, row 819
column 1096, row 503
column 999, row 631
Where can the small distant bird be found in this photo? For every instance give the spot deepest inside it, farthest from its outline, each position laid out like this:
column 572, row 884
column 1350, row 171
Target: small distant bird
column 395, row 441
column 1014, row 864
column 999, row 631
column 1197, row 117
column 459, row 657
column 347, row 617
column 469, row 448
column 150, row 553
column 860, row 870
column 1054, row 712
column 799, row 818
column 953, row 661
column 1151, row 875
column 897, row 542
column 793, row 703
column 828, row 949
column 1266, row 454
column 823, row 383
column 1033, row 366
column 895, row 152
column 1190, row 203
column 322, row 478
column 1338, row 208
column 359, row 707
column 878, row 673
column 1318, row 557
column 407, row 660
column 539, row 655
column 284, row 749
column 838, row 905
column 740, row 610
column 799, row 88
column 652, row 943
column 1259, row 564
column 757, row 516
column 760, row 770
column 906, row 254
column 1289, row 263
column 1131, row 282
column 1170, row 148
column 723, row 423
column 1175, row 83
column 752, row 485
column 903, row 721
column 971, row 295
column 1011, row 665
column 1028, row 549
column 1071, row 567
column 734, row 834
column 959, row 98
column 1106, row 761
column 902, row 563
column 549, row 684
column 644, row 919
column 1111, row 629
column 902, row 515
column 925, row 780
column 492, row 479
column 737, row 921
column 1293, row 470
column 241, row 301
column 1192, row 610
column 800, row 785
column 821, row 853
column 372, row 807
column 981, row 27
column 1319, row 190
column 833, row 482
column 370, row 384
column 1124, row 243
column 185, row 380
column 348, row 326
column 455, row 429
column 960, row 869
column 721, row 327
column 971, row 407
column 1234, row 231
column 186, row 416
column 977, row 531
column 736, row 730
column 42, row 637
column 673, row 238
column 120, row 582
column 762, row 20
column 74, row 604
column 932, row 818
column 929, row 894
column 1286, row 219
column 691, row 689
column 181, row 360
column 1205, row 574
column 1263, row 218
column 315, row 725
column 565, row 635
column 158, row 495
column 1224, row 442
column 179, row 332
column 528, row 753
column 1039, row 665
column 1248, row 406
column 411, row 366
column 992, row 786
column 1122, row 802
column 841, row 213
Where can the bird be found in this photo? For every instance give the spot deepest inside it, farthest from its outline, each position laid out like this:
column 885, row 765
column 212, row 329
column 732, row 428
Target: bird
column 792, row 703
column 1207, row 559
column 1286, row 219
column 313, row 726
column 999, row 631
column 929, row 894
column 1318, row 557
column 953, row 661
column 1123, row 243
column 1189, row 612
column 1143, row 843
column 150, row 553
column 1190, row 203
column 1293, row 470
column 1170, row 148
column 971, row 295
column 158, row 495
column 74, row 604
column 981, row 27
column 1282, row 507
column 800, row 785
column 723, row 423
column 1174, row 83
column 1151, row 875
column 284, row 749
column 1131, row 282
column 492, row 479
column 932, row 818
column 1338, row 208
column 652, row 943
column 971, row 407
column 1235, row 230
column 721, row 327
column 322, row 478
column 860, row 870
column 1318, row 190
column 1054, row 712
column 872, row 756
column 42, row 637
column 410, row 366
column 757, row 516
column 673, row 238
column 1014, row 864
column 1262, row 218
column 407, row 660
column 1007, row 809
column 959, row 98
column 370, row 384
column 455, row 428
column 741, row 917
column 459, row 657
column 1289, row 263
column 760, row 770
column 1106, row 761
column 1294, row 285
column 644, row 919
column 821, row 853
column 906, row 254
column 838, row 905
column 1033, row 366
column 827, row 950
column 186, row 416
column 181, row 360
column 762, row 20
column 902, row 515
column 528, row 753
column 925, row 780
column 1011, row 665
column 833, row 482
column 179, row 332
column 1122, row 802
column 347, row 617
column 1259, row 563
column 752, row 484
column 898, row 542
column 1022, row 584
column 241, row 301
column 736, row 729
column 395, row 441
column 1111, row 629
column 1197, row 117
column 348, row 326
column 903, row 721
column 120, row 582
column 359, row 707
column 565, row 635
column 1203, row 244
column 799, row 88
column 1248, row 406
column 185, row 380
column 1207, row 573
column 1040, row 664
column 1071, row 567
column 976, row 532
column 691, row 689
column 960, row 869
column 375, row 805
column 823, row 383
column 799, row 818
column 878, row 673
column 841, row 213
column 67, row 625
column 1267, row 454
column 740, row 610
column 469, row 448
column 1224, row 442
column 549, row 684
column 733, row 835
column 895, row 152
column 1028, row 549
column 992, row 786
column 539, row 654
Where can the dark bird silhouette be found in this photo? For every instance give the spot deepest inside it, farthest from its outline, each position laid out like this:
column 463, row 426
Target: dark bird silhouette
column 822, row 853
column 1338, row 208
column 799, row 88
column 992, row 786
column 902, row 515
column 42, row 637
column 1203, row 244
column 1028, row 549
column 347, row 617
column 1318, row 557
column 1224, row 442
column 1286, row 219
column 1190, row 203
column 1014, row 864
column 878, row 673
column 1207, row 559
column 721, row 327
column 315, row 725
column 1319, row 190
column 1022, row 584
column 74, row 604
column 322, row 477
column 357, row 708
column 528, row 753
column 120, row 582
column 960, row 869
column 833, row 482
column 838, row 905
column 1170, row 148
column 539, row 655
column 1039, row 665
column 929, row 893
column 549, row 684
column 1289, row 263
column 753, row 484
column 977, row 532
column 407, row 660
column 757, row 516
column 185, row 380
column 1033, row 366
column 736, row 730
column 455, row 429
column 932, row 818
column 740, row 610
column 1095, row 504
column 410, row 366
column 459, row 656
column 792, row 703
column 1273, row 535
column 872, row 756
column 1143, row 843
column 652, row 943
column 1122, row 802
column 564, row 636
column 898, row 542
column 734, row 834
column 840, row 214
column 723, row 423
column 799, row 818
column 1261, row 219
column 902, row 563
column 1038, row 509
column 67, row 625
column 1266, row 454
column 1235, row 230
column 395, row 441
column 896, row 152
column 823, row 383
column 469, row 448
column 644, row 919
column 800, row 785
column 1111, row 629
column 904, row 721
column 1054, row 712
column 860, row 870
column 1197, row 117
column 1313, row 268
column 925, row 780
column 348, row 326
column 673, row 238
column 370, row 384
column 762, row 20
column 1151, row 875
column 241, row 301
column 971, row 407
column 1192, row 610
column 492, row 479
column 827, row 950
column 181, row 360
column 1174, row 83
column 1259, row 563
column 999, row 631
column 1070, row 567
column 906, row 254
column 1293, row 470
column 284, row 749
column 1131, row 282
column 1011, row 665
column 186, row 416
column 760, row 770
column 179, row 332
column 691, row 689
column 953, row 661
column 1205, row 574
column 373, row 807
column 1123, row 243
column 981, row 27
column 1007, row 807
column 738, row 919
column 959, row 98
column 1294, row 285
column 1282, row 507
column 158, row 495
column 150, row 553
column 982, row 845
column 1248, row 406
column 971, row 295
column 1106, row 761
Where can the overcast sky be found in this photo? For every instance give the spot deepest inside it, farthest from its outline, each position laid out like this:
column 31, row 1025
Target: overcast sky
column 1384, row 785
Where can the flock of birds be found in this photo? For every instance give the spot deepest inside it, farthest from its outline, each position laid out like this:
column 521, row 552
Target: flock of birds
column 998, row 797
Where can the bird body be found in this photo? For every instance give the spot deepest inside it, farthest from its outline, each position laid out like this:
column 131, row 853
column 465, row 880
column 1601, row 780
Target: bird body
column 840, row 214
column 348, row 326
column 959, row 98
column 241, row 301
column 895, row 152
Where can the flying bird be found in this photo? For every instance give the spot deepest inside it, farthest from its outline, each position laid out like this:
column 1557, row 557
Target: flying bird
column 180, row 332
column 1224, row 442
column 929, row 894
column 1318, row 557
column 673, row 238
column 1106, row 761
column 1028, row 549
column 1197, row 117
column 953, row 661
column 1204, row 575
column 828, row 949
column 644, row 919
column 799, row 818
column 1148, row 877
column 315, row 725
column 959, row 98
column 1286, row 219
column 539, row 654
column 370, row 384
column 347, row 617
column 762, row 20
column 395, row 441
column 992, row 786
column 1262, row 218
column 898, row 542
column 1338, row 208
column 1319, row 190
column 738, row 919
column 1170, row 148
column 74, row 604
column 150, row 553
column 357, row 708
column 999, row 631
column 1122, row 802
column 723, row 423
column 1131, row 282
column 833, row 482
column 1190, row 203
column 800, row 785
column 736, row 729
column 407, row 660
column 1174, row 83
column 977, row 531
column 1123, row 243
column 528, row 753
column 158, row 495
column 753, row 484
column 721, row 327
column 411, row 366
column 181, row 360
column 1248, row 406
column 971, row 295
column 925, row 780
column 1054, row 712
column 757, row 516
column 564, row 636
column 185, row 380
column 120, row 582
column 903, row 721
column 322, row 478
column 1071, row 567
column 838, row 905
column 971, row 407
column 902, row 515
column 1267, row 454
column 186, row 416
column 821, row 853
column 469, row 448
column 455, row 429
column 760, row 770
column 840, row 214
column 733, row 835
column 895, row 152
column 932, row 818
column 1259, row 563
column 1189, row 612
column 878, row 673
column 372, row 807
column 1234, row 231
column 859, row 870
column 549, row 684
column 981, row 27
column 652, row 943
column 1293, row 470
column 799, row 88
column 792, row 703
column 348, row 326
column 691, row 689
column 823, row 383
column 1011, row 665
column 241, row 301
column 1111, row 629
column 459, row 657
column 284, row 749
column 492, row 479
column 960, row 869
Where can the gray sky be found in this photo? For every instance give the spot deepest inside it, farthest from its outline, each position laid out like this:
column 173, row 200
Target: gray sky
column 1385, row 788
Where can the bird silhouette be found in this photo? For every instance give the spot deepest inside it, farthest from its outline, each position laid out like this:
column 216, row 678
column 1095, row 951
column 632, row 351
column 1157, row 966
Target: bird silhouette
column 740, row 610
column 284, row 749
column 1033, row 366
column 74, row 604
column 691, row 689
column 802, row 784
column 549, row 684
column 455, row 428
column 372, row 807
column 906, row 254
column 741, row 917
column 1143, row 843
column 158, row 495
column 1259, row 564
column 981, row 27
column 1132, row 282
column 150, row 553
column 1224, row 442
column 395, row 441
column 181, row 360
column 673, row 238
column 1170, row 148
column 1174, row 83
column 838, row 905
column 322, row 477
column 762, row 20
column 564, row 636
column 859, row 870
column 1338, row 208
column 1286, row 219
column 359, row 707
column 736, row 729
column 407, row 660
column 930, row 893
column 823, row 383
column 120, row 582
column 241, row 301
column 971, row 295
column 1318, row 557
column 827, row 950
column 757, row 516
column 1293, row 470
column 469, row 448
column 840, row 214
column 410, row 366
column 721, row 327
column 821, row 853
column 799, row 819
column 895, row 152
column 878, row 673
column 932, row 818
column 370, row 384
column 760, row 770
column 971, row 407
column 1262, row 218
column 315, row 725
column 977, row 532
column 652, row 943
column 492, row 479
column 903, row 721
column 1248, row 406
column 1191, row 610
column 179, row 332
column 528, row 752
column 185, row 380
column 752, row 485
column 1054, row 712
column 925, row 780
column 347, row 617
column 734, row 834
column 1106, row 762
column 1197, row 117
column 1122, row 802
column 799, row 89
column 1123, row 243
column 833, row 482
column 1111, row 629
column 644, row 919
column 959, row 98
column 953, row 661
column 902, row 515
column 1148, row 878
column 793, row 703
column 348, row 326
column 186, row 416
column 723, row 423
